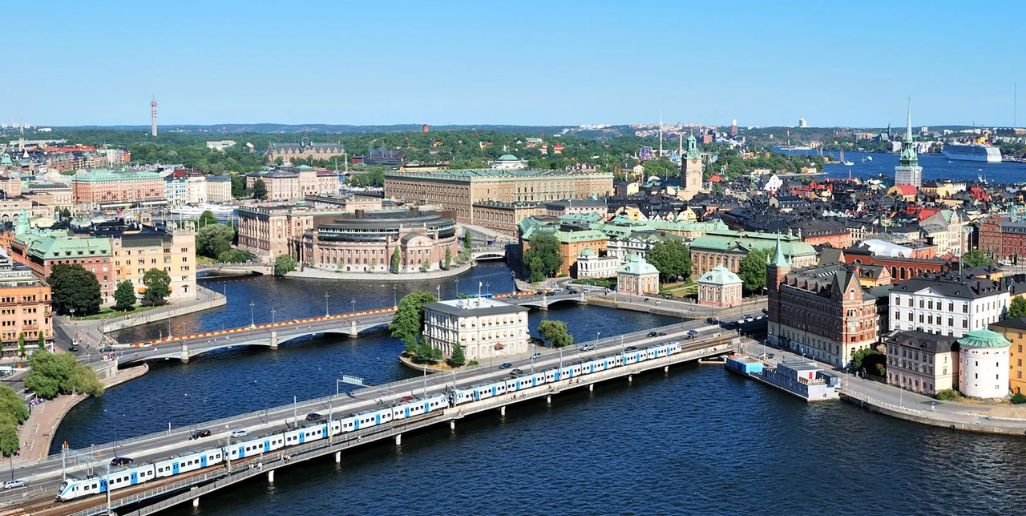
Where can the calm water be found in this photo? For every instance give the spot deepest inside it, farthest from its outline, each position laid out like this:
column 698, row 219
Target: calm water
column 935, row 167
column 697, row 440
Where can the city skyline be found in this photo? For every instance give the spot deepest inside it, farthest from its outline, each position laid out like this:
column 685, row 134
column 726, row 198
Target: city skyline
column 541, row 64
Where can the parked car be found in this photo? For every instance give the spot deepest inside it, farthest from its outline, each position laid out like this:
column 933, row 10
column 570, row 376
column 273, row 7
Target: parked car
column 239, row 433
column 13, row 484
column 121, row 461
column 505, row 365
column 199, row 434
column 313, row 416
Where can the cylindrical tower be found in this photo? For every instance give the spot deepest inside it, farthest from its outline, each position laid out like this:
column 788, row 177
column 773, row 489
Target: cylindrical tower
column 983, row 364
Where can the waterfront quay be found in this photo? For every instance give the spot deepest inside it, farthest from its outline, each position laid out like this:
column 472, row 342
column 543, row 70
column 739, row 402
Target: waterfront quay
column 46, row 476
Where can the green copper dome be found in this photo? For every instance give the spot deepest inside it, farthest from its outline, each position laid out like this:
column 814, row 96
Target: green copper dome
column 983, row 338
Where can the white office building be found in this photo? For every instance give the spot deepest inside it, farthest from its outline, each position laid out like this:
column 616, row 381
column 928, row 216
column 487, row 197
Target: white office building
column 947, row 305
column 485, row 328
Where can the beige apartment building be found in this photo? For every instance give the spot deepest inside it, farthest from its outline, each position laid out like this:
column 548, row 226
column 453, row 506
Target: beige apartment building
column 102, row 188
column 287, row 184
column 174, row 252
column 485, row 328
column 464, row 190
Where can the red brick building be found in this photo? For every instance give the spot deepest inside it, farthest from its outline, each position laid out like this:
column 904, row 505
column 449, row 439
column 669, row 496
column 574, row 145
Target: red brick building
column 1003, row 237
column 900, row 268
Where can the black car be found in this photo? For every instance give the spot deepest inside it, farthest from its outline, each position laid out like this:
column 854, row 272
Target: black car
column 107, row 349
column 516, row 372
column 73, row 348
column 631, row 348
column 121, row 461
column 313, row 416
column 653, row 334
column 712, row 320
column 199, row 434
column 505, row 365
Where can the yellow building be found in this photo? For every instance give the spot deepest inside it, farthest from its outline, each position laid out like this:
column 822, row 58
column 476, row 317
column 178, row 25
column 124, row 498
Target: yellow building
column 174, row 252
column 1015, row 331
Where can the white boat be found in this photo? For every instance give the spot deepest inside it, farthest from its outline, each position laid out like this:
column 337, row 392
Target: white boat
column 844, row 161
column 971, row 152
column 219, row 211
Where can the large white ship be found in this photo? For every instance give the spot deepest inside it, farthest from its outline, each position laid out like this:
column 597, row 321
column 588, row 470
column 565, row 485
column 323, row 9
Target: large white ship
column 971, row 152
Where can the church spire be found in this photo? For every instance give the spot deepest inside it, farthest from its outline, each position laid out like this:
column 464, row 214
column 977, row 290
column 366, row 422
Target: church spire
column 778, row 258
column 908, row 148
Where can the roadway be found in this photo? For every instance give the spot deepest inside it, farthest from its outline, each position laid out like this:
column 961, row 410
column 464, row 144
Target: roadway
column 45, row 476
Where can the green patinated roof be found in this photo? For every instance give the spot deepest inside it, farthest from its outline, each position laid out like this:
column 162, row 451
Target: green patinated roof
column 587, row 252
column 508, row 157
column 723, row 241
column 983, row 338
column 590, row 235
column 720, row 276
column 637, row 265
column 105, row 175
column 52, row 245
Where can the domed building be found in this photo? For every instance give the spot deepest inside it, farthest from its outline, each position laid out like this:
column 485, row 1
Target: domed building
column 719, row 287
column 983, row 364
column 509, row 162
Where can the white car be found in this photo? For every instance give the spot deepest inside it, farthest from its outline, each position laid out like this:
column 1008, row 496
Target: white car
column 236, row 434
column 13, row 484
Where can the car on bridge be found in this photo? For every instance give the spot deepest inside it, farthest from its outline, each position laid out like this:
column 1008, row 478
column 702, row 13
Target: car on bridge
column 14, row 484
column 692, row 334
column 121, row 461
column 536, row 355
column 588, row 347
column 199, row 434
column 516, row 372
column 313, row 416
column 631, row 348
column 505, row 365
column 239, row 433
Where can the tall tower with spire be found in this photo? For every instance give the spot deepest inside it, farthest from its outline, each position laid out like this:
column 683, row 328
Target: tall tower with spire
column 908, row 171
column 153, row 116
column 691, row 163
column 776, row 271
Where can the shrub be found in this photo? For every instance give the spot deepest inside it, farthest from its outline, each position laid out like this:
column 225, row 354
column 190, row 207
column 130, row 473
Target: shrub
column 1018, row 398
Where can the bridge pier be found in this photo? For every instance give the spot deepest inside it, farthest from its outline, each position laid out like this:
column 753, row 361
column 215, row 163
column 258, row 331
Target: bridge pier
column 274, row 340
column 352, row 330
column 398, row 439
column 591, row 387
column 338, row 457
column 502, row 411
column 548, row 399
column 630, row 378
column 270, row 477
column 545, row 303
column 185, row 357
column 666, row 369
column 452, row 425
column 195, row 502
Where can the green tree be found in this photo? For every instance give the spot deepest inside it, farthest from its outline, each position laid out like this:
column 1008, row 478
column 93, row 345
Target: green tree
column 1017, row 308
column 12, row 407
column 124, row 296
column 284, row 264
column 206, row 218
column 752, row 269
column 976, row 258
column 74, row 288
column 448, row 259
column 238, row 186
column 468, row 240
column 41, row 342
column 158, row 286
column 9, row 443
column 213, row 240
column 51, row 374
column 408, row 321
column 458, row 358
column 395, row 262
column 259, row 190
column 544, row 247
column 555, row 333
column 21, row 345
column 672, row 258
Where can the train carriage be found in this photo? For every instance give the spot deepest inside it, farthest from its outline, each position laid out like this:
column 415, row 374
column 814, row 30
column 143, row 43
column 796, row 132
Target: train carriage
column 188, row 462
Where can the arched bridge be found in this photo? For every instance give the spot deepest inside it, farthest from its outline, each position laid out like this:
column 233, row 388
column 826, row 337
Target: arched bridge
column 497, row 252
column 235, row 269
column 271, row 335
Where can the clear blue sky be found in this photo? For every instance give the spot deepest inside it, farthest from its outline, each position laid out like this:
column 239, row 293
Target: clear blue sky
column 482, row 62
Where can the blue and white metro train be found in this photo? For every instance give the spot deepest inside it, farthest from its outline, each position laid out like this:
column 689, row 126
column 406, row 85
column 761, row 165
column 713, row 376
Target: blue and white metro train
column 72, row 488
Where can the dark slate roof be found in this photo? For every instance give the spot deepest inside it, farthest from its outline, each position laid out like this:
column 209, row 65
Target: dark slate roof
column 951, row 285
column 929, row 342
column 1014, row 324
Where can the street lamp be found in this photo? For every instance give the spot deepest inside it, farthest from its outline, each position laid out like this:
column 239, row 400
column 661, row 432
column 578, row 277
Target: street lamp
column 353, row 302
column 252, row 315
column 326, row 296
column 457, row 288
column 272, row 315
column 395, row 293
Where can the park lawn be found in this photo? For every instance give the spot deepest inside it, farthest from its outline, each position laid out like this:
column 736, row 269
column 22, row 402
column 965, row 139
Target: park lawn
column 110, row 313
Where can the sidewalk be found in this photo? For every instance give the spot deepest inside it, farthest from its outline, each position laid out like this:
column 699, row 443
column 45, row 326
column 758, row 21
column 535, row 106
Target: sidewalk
column 37, row 432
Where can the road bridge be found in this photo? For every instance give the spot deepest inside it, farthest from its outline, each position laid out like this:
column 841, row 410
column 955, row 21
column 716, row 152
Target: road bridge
column 150, row 497
column 273, row 334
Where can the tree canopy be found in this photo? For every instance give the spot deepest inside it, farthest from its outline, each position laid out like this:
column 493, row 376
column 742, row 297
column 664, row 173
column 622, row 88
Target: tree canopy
column 408, row 324
column 124, row 296
column 51, row 374
column 752, row 269
column 259, row 190
column 555, row 333
column 672, row 258
column 976, row 258
column 206, row 218
column 158, row 286
column 214, row 240
column 395, row 262
column 542, row 258
column 284, row 264
column 1017, row 309
column 74, row 288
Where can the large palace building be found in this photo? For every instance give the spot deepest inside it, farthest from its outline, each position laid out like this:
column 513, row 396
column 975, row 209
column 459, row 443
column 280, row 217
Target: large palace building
column 365, row 241
column 465, row 190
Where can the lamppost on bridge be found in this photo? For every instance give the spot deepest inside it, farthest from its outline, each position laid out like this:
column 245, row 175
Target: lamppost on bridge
column 457, row 288
column 395, row 294
column 252, row 315
column 353, row 303
column 272, row 315
column 326, row 296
